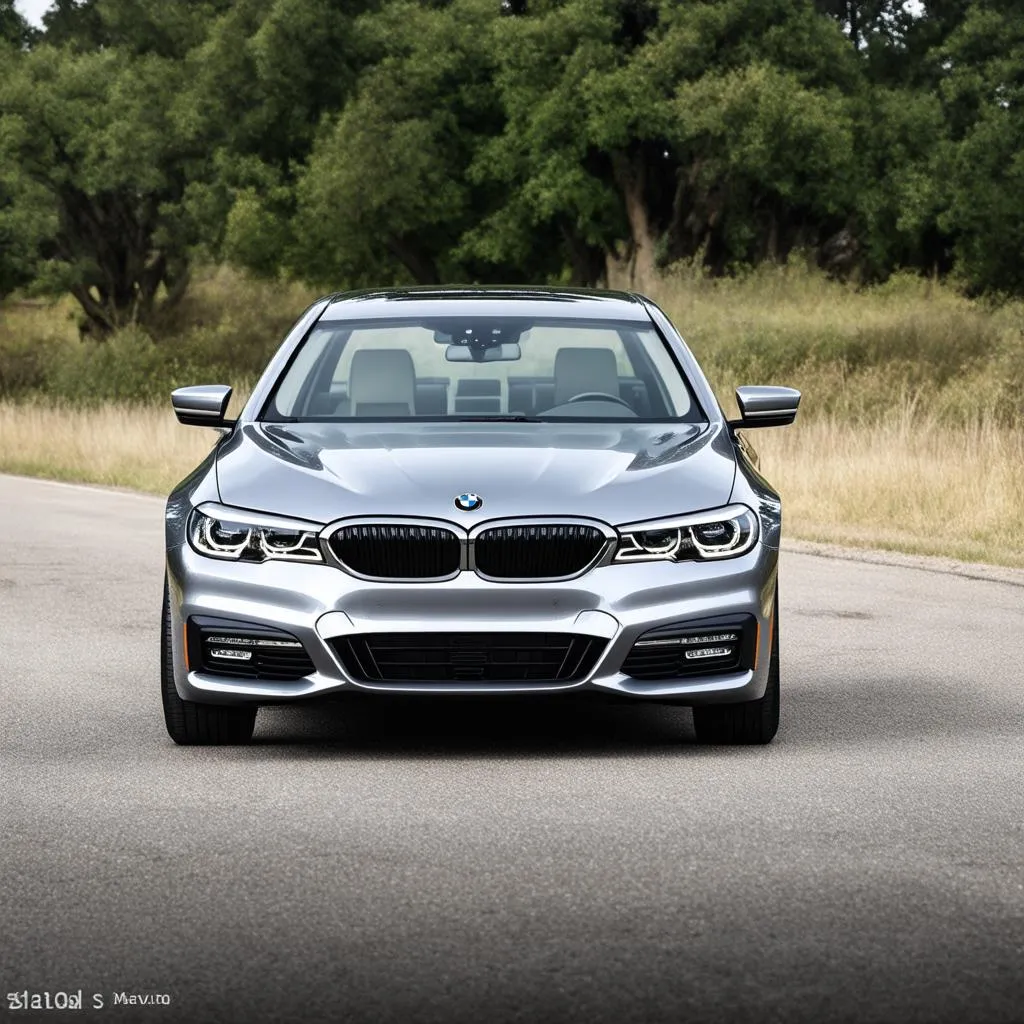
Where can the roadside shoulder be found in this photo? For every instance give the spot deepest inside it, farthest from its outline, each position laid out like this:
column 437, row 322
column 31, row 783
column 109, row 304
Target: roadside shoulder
column 926, row 563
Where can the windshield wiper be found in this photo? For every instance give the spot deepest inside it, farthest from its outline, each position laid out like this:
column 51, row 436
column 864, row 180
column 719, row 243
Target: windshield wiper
column 512, row 418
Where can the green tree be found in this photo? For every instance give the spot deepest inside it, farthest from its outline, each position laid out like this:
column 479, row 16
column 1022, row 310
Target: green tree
column 361, row 142
column 619, row 132
column 75, row 23
column 87, row 135
column 769, row 157
column 24, row 211
column 385, row 196
column 898, row 132
column 15, row 31
column 982, row 169
column 557, row 204
column 261, row 82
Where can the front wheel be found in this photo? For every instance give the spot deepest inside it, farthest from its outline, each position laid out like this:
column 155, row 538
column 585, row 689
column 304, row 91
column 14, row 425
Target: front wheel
column 751, row 721
column 189, row 723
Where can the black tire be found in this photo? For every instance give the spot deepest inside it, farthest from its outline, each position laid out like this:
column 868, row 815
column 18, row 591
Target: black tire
column 751, row 721
column 192, row 724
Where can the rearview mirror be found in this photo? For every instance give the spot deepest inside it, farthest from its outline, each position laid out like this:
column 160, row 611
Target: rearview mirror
column 202, row 405
column 766, row 406
column 467, row 354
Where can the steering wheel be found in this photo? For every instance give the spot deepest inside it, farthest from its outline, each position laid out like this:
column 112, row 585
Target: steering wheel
column 586, row 396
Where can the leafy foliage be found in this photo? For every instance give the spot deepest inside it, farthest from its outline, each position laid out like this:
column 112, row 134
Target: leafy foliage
column 984, row 165
column 385, row 196
column 14, row 30
column 86, row 148
column 365, row 142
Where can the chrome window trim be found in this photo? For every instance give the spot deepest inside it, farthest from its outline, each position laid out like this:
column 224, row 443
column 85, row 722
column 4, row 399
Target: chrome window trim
column 467, row 539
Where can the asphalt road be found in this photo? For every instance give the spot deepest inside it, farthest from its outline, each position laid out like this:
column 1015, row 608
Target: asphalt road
column 446, row 862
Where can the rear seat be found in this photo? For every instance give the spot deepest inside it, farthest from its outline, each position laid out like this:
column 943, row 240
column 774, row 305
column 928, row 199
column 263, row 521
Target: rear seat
column 431, row 398
column 478, row 395
column 530, row 395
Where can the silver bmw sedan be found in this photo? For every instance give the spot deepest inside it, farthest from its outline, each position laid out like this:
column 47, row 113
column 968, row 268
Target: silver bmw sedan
column 478, row 492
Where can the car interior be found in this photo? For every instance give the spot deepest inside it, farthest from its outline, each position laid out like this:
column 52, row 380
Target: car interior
column 586, row 381
column 383, row 382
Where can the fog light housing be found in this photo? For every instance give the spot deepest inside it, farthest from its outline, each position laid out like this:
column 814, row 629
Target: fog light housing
column 695, row 648
column 246, row 650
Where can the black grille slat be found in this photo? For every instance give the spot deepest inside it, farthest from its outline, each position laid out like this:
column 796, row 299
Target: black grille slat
column 536, row 551
column 398, row 551
column 468, row 657
column 575, row 657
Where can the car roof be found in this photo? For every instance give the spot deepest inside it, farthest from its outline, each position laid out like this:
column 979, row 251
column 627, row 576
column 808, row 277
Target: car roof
column 542, row 303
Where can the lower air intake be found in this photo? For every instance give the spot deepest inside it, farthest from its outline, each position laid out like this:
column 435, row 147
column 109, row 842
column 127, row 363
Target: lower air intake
column 468, row 657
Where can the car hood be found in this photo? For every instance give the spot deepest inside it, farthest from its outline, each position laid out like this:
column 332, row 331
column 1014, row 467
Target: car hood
column 613, row 472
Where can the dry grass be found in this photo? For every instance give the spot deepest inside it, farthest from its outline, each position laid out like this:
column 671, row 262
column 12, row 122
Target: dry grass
column 906, row 483
column 854, row 354
column 140, row 446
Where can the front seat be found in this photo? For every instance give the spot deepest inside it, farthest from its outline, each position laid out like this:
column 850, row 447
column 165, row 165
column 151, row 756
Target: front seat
column 579, row 370
column 382, row 382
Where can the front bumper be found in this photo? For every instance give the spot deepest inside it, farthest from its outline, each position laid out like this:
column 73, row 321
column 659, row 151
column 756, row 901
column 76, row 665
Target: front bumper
column 618, row 603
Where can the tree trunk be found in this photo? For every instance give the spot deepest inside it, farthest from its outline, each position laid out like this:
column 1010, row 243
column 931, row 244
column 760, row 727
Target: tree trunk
column 586, row 262
column 637, row 263
column 418, row 263
column 96, row 313
column 111, row 235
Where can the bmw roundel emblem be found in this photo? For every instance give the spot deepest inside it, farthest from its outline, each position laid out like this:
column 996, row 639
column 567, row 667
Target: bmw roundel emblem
column 468, row 502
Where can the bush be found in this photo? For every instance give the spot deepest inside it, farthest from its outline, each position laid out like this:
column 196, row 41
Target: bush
column 224, row 331
column 855, row 353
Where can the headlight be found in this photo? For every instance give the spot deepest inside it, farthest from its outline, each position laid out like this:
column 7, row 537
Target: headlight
column 222, row 532
column 720, row 533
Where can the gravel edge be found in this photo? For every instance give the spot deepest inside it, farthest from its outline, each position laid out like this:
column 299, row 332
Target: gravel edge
column 925, row 563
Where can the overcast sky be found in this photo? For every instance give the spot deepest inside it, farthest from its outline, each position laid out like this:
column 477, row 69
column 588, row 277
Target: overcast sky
column 32, row 9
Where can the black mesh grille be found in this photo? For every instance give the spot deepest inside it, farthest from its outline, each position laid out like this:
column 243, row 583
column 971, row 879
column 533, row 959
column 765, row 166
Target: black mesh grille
column 468, row 657
column 398, row 551
column 662, row 653
column 536, row 552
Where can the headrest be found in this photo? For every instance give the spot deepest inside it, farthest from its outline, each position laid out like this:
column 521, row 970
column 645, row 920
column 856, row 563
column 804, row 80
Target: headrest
column 579, row 370
column 382, row 382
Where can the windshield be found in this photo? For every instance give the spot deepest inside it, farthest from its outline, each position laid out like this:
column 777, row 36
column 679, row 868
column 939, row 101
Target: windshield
column 473, row 368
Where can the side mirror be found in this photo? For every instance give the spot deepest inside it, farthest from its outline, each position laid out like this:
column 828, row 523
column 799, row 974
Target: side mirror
column 203, row 405
column 766, row 407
